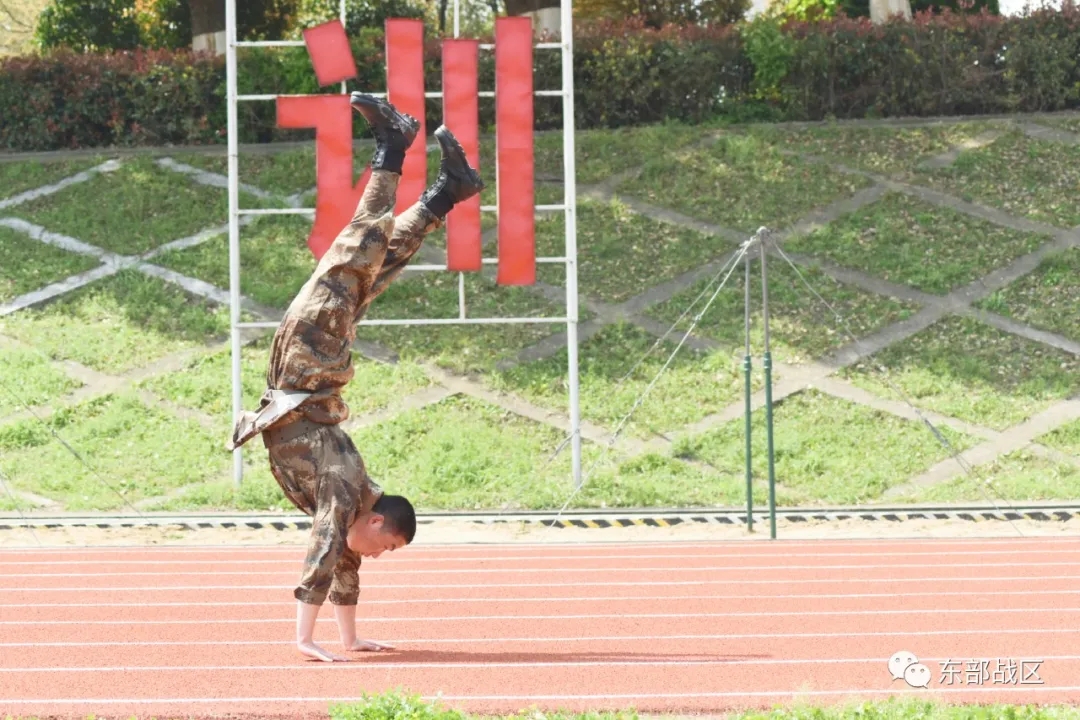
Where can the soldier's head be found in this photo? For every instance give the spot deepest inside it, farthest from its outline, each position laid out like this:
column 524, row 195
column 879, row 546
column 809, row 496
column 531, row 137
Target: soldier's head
column 391, row 524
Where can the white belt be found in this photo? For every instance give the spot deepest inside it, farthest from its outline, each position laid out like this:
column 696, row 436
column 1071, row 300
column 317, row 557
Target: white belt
column 250, row 424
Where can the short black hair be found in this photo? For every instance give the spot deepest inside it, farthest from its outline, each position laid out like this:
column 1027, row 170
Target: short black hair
column 399, row 517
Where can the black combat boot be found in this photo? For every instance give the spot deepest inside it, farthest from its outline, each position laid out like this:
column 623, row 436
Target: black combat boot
column 394, row 131
column 456, row 182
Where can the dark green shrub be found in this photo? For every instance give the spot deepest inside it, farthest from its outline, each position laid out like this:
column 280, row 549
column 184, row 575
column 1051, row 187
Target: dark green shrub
column 624, row 74
column 74, row 100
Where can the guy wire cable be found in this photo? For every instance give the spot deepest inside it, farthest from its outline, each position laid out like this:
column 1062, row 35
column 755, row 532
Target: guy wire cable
column 6, row 482
column 733, row 258
column 941, row 438
column 743, row 249
column 70, row 449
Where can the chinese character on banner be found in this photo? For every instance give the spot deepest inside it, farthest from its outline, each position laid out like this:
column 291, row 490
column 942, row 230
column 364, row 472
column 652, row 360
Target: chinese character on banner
column 332, row 119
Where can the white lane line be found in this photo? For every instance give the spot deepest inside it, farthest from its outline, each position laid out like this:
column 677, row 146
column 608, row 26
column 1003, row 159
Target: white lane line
column 562, row 639
column 364, row 665
column 290, row 561
column 620, row 615
column 560, row 698
column 616, row 583
column 781, row 547
column 626, row 570
column 583, row 598
column 562, row 616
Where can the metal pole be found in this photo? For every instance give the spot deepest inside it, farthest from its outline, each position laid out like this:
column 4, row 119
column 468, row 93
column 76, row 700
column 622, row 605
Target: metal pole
column 342, row 17
column 746, row 391
column 570, row 202
column 768, row 390
column 457, row 24
column 234, row 226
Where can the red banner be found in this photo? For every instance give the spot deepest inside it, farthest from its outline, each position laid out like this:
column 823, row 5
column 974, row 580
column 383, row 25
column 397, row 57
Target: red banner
column 461, row 113
column 332, row 118
column 514, row 150
column 405, row 82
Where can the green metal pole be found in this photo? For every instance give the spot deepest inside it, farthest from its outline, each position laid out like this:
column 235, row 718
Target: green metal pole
column 746, row 372
column 768, row 392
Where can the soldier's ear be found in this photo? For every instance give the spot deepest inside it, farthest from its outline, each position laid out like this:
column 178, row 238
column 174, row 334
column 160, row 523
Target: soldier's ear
column 376, row 520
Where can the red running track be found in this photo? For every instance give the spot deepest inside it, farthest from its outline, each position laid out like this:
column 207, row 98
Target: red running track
column 676, row 627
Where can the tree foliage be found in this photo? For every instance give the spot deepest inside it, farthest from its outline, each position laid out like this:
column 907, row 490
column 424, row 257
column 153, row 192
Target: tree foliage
column 358, row 13
column 102, row 25
column 658, row 13
column 89, row 25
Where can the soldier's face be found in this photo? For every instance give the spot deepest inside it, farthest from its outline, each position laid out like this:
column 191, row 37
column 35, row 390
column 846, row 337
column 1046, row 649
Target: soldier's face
column 369, row 539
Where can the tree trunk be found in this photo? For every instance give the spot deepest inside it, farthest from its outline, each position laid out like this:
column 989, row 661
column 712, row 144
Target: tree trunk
column 546, row 14
column 208, row 26
column 882, row 10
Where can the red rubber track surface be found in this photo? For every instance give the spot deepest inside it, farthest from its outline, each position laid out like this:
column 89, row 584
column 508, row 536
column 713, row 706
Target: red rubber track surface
column 202, row 632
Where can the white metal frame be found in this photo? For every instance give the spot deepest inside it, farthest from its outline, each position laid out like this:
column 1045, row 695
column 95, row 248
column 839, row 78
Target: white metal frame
column 569, row 208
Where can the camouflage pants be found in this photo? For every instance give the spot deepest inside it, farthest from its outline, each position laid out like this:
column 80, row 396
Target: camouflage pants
column 314, row 461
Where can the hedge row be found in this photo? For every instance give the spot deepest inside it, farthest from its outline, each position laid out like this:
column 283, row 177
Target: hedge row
column 624, row 74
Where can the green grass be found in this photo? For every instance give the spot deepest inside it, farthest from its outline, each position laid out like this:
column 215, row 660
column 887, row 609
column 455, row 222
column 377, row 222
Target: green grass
column 18, row 177
column 693, row 386
column 397, row 705
column 974, row 372
column 131, row 451
column 740, row 183
column 907, row 241
column 463, row 348
column 826, row 450
column 205, row 383
column 1070, row 124
column 881, row 150
column 914, row 709
column 744, row 179
column 107, row 213
column 283, row 173
column 1066, row 438
column 258, row 492
column 620, row 253
column 119, row 323
column 31, row 381
column 1030, row 178
column 603, row 153
column 27, row 265
column 275, row 261
column 800, row 326
column 466, row 454
column 1046, row 298
column 1017, row 476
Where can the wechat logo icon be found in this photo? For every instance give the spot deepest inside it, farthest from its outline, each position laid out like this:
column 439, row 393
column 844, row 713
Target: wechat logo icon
column 905, row 666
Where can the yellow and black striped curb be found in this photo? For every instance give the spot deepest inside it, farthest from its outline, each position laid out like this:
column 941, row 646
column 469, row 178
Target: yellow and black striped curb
column 597, row 521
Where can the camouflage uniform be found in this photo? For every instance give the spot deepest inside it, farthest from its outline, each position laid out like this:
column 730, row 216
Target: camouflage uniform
column 312, row 458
